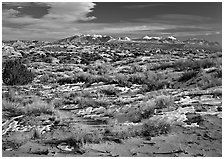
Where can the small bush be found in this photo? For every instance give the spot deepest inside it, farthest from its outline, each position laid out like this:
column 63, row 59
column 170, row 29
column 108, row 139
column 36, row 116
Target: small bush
column 155, row 128
column 181, row 65
column 58, row 103
column 147, row 109
column 13, row 109
column 44, row 78
column 218, row 73
column 122, row 80
column 15, row 73
column 110, row 91
column 65, row 80
column 136, row 68
column 207, row 63
column 137, row 78
column 164, row 101
column 89, row 102
column 163, row 66
column 9, row 95
column 38, row 107
column 187, row 76
column 123, row 131
column 209, row 81
column 82, row 135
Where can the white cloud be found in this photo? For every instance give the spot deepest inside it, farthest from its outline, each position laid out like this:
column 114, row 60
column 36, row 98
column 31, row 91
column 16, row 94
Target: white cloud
column 199, row 33
column 62, row 18
column 130, row 28
column 184, row 17
column 10, row 13
column 70, row 11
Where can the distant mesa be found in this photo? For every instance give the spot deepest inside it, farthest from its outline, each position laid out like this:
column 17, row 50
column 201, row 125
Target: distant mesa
column 151, row 38
column 196, row 41
column 172, row 38
column 97, row 38
column 86, row 39
column 124, row 39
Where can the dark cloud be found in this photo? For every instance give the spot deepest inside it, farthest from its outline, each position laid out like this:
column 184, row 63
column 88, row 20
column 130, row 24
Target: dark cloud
column 144, row 5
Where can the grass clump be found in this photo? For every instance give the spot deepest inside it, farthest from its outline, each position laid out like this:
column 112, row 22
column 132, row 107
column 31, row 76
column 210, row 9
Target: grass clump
column 13, row 109
column 208, row 81
column 36, row 108
column 164, row 101
column 181, row 65
column 110, row 91
column 83, row 102
column 188, row 75
column 155, row 128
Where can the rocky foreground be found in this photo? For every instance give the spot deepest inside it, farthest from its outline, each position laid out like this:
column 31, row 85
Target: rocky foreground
column 112, row 99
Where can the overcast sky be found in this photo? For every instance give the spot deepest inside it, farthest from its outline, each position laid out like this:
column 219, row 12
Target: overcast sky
column 55, row 20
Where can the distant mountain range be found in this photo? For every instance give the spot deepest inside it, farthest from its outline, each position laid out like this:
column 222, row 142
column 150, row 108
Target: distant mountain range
column 151, row 39
column 87, row 39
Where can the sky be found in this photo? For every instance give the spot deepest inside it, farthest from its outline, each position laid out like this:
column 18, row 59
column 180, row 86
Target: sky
column 55, row 20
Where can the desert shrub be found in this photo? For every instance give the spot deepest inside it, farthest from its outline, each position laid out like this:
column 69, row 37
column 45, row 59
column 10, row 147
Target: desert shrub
column 181, row 65
column 110, row 91
column 19, row 45
column 49, row 59
column 155, row 128
column 154, row 85
column 122, row 80
column 57, row 103
column 136, row 68
column 122, row 131
column 105, row 78
column 187, row 76
column 218, row 73
column 163, row 66
column 206, row 63
column 98, row 68
column 9, row 95
column 147, row 109
column 137, row 78
column 12, row 108
column 93, row 137
column 38, row 107
column 82, row 77
column 90, row 102
column 134, row 116
column 44, row 78
column 86, row 58
column 65, row 80
column 15, row 73
column 163, row 101
column 208, row 81
column 81, row 135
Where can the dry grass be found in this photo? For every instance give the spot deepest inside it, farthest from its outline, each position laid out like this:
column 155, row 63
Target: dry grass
column 37, row 107
column 164, row 101
column 155, row 128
